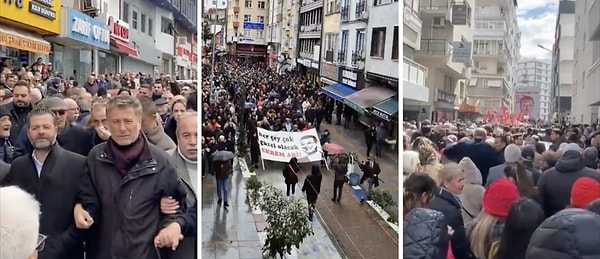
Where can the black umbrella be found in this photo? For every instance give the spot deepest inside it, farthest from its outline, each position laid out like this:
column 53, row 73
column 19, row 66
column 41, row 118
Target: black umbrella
column 222, row 155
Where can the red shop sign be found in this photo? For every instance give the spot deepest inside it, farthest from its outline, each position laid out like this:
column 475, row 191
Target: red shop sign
column 118, row 29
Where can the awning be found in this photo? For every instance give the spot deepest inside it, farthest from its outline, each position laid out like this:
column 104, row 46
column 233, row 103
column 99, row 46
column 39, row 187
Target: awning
column 338, row 91
column 123, row 47
column 23, row 40
column 387, row 109
column 368, row 97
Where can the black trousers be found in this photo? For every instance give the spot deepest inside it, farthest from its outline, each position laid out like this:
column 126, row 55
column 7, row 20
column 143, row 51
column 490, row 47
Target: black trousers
column 292, row 187
column 369, row 148
column 337, row 189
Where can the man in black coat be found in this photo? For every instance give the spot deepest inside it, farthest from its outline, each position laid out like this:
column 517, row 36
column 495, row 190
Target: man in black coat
column 53, row 175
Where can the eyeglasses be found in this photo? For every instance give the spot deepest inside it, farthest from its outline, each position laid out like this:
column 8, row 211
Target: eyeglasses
column 59, row 112
column 41, row 242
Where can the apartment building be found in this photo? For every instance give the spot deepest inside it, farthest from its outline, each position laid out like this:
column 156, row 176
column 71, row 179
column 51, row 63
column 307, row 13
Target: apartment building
column 415, row 93
column 309, row 38
column 329, row 71
column 585, row 105
column 496, row 52
column 534, row 80
column 274, row 31
column 245, row 29
column 446, row 51
column 563, row 61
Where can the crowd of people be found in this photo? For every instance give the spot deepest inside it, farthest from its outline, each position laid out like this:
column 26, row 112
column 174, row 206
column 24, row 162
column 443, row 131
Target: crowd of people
column 501, row 191
column 103, row 169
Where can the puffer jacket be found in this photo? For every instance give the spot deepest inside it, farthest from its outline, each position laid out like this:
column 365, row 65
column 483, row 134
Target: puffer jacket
column 425, row 234
column 472, row 194
column 569, row 234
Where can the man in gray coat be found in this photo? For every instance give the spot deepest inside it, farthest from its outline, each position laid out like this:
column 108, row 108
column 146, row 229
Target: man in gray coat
column 512, row 155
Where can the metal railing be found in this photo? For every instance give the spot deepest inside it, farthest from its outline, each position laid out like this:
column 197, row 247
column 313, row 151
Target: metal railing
column 436, row 47
column 345, row 13
column 414, row 72
column 361, row 7
column 329, row 55
column 341, row 57
column 435, row 5
column 356, row 57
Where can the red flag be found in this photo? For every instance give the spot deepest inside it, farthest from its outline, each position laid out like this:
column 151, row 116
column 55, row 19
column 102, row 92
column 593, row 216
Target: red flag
column 521, row 115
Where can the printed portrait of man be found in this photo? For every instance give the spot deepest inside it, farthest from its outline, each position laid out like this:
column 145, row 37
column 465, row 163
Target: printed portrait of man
column 526, row 105
column 309, row 145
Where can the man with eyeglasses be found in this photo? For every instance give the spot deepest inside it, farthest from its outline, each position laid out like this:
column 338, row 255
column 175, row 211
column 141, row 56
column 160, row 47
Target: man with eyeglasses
column 73, row 138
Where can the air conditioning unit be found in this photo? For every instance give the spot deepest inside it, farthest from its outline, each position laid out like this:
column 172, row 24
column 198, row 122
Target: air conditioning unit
column 90, row 7
column 439, row 21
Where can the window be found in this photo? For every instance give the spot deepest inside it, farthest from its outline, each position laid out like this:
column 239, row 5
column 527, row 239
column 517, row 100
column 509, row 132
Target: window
column 382, row 2
column 126, row 12
column 150, row 27
column 166, row 26
column 134, row 20
column 248, row 4
column 344, row 43
column 261, row 4
column 247, row 33
column 378, row 42
column 261, row 19
column 247, row 18
column 259, row 34
column 395, row 47
column 331, row 6
column 143, row 23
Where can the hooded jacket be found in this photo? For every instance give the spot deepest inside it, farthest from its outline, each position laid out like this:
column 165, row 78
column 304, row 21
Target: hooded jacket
column 425, row 235
column 570, row 234
column 554, row 185
column 590, row 157
column 472, row 194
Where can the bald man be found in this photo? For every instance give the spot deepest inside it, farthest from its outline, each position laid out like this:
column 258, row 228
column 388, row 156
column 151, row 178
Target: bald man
column 72, row 111
column 35, row 95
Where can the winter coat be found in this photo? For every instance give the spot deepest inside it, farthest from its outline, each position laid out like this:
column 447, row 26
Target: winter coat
column 472, row 194
column 497, row 172
column 290, row 174
column 555, row 184
column 569, row 234
column 483, row 155
column 446, row 203
column 425, row 234
column 312, row 187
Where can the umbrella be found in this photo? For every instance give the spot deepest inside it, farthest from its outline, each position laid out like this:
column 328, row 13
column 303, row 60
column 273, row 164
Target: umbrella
column 273, row 95
column 333, row 149
column 222, row 155
column 249, row 105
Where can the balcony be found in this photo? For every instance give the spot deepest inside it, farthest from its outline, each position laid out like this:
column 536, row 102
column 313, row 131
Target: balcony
column 310, row 31
column 345, row 14
column 486, row 33
column 329, row 55
column 341, row 57
column 433, row 47
column 435, row 6
column 236, row 24
column 236, row 9
column 594, row 21
column 188, row 20
column 415, row 81
column 412, row 20
column 306, row 55
column 360, row 13
column 309, row 6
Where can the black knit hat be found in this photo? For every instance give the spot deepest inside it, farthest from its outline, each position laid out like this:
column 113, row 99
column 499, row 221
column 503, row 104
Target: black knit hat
column 4, row 112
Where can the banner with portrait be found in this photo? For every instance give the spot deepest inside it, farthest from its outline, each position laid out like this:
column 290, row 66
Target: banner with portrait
column 527, row 103
column 281, row 146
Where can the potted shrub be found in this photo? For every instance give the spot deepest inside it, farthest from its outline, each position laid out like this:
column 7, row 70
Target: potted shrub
column 385, row 201
column 287, row 222
column 253, row 186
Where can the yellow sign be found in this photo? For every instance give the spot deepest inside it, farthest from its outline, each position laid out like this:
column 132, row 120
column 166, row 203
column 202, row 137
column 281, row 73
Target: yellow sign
column 41, row 14
column 23, row 43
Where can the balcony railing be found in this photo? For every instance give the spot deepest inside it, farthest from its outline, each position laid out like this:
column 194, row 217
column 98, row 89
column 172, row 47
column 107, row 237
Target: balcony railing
column 329, row 55
column 355, row 57
column 341, row 57
column 435, row 5
column 345, row 13
column 436, row 47
column 360, row 11
column 414, row 72
column 412, row 20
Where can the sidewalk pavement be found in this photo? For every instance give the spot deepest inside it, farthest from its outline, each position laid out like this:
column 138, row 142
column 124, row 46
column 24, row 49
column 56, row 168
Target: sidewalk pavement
column 353, row 140
column 356, row 228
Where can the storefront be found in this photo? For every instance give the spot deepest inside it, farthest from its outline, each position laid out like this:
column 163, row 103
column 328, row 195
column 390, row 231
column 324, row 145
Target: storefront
column 363, row 101
column 22, row 27
column 387, row 111
column 444, row 108
column 251, row 53
column 353, row 78
column 75, row 50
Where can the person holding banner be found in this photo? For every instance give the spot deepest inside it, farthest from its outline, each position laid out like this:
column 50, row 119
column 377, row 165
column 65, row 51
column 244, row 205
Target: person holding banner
column 290, row 173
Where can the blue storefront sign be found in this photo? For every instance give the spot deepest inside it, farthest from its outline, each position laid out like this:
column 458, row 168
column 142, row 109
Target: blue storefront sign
column 85, row 29
column 254, row 25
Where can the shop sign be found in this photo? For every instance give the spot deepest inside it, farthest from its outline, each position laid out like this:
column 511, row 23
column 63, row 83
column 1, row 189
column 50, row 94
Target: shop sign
column 445, row 97
column 380, row 114
column 349, row 77
column 41, row 14
column 22, row 43
column 247, row 40
column 329, row 71
column 83, row 28
column 118, row 29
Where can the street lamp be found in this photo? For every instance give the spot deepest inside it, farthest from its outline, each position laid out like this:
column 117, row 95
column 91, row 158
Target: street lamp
column 555, row 83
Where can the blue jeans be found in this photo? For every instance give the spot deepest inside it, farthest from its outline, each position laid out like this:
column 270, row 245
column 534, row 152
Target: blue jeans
column 222, row 185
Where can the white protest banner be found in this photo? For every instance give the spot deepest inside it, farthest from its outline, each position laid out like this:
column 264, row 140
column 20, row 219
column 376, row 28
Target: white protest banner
column 281, row 146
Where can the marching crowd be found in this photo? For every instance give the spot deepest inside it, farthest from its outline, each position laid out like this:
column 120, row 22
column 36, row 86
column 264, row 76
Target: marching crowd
column 103, row 169
column 501, row 192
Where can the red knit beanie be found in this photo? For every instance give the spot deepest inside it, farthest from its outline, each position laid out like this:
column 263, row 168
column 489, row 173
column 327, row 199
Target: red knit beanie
column 584, row 191
column 499, row 197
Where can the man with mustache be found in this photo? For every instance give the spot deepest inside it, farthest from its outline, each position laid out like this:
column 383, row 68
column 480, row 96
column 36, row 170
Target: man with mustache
column 185, row 159
column 53, row 175
column 19, row 109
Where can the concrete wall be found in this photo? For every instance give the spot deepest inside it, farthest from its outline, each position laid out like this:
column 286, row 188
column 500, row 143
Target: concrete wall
column 379, row 16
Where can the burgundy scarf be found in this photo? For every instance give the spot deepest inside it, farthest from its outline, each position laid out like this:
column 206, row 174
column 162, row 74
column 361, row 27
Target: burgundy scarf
column 125, row 157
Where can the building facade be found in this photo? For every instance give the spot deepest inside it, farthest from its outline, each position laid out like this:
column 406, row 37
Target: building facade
column 496, row 52
column 536, row 75
column 245, row 30
column 329, row 70
column 415, row 92
column 563, row 61
column 446, row 51
column 309, row 38
column 585, row 103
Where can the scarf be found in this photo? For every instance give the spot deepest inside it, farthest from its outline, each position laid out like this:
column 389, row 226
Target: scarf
column 125, row 157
